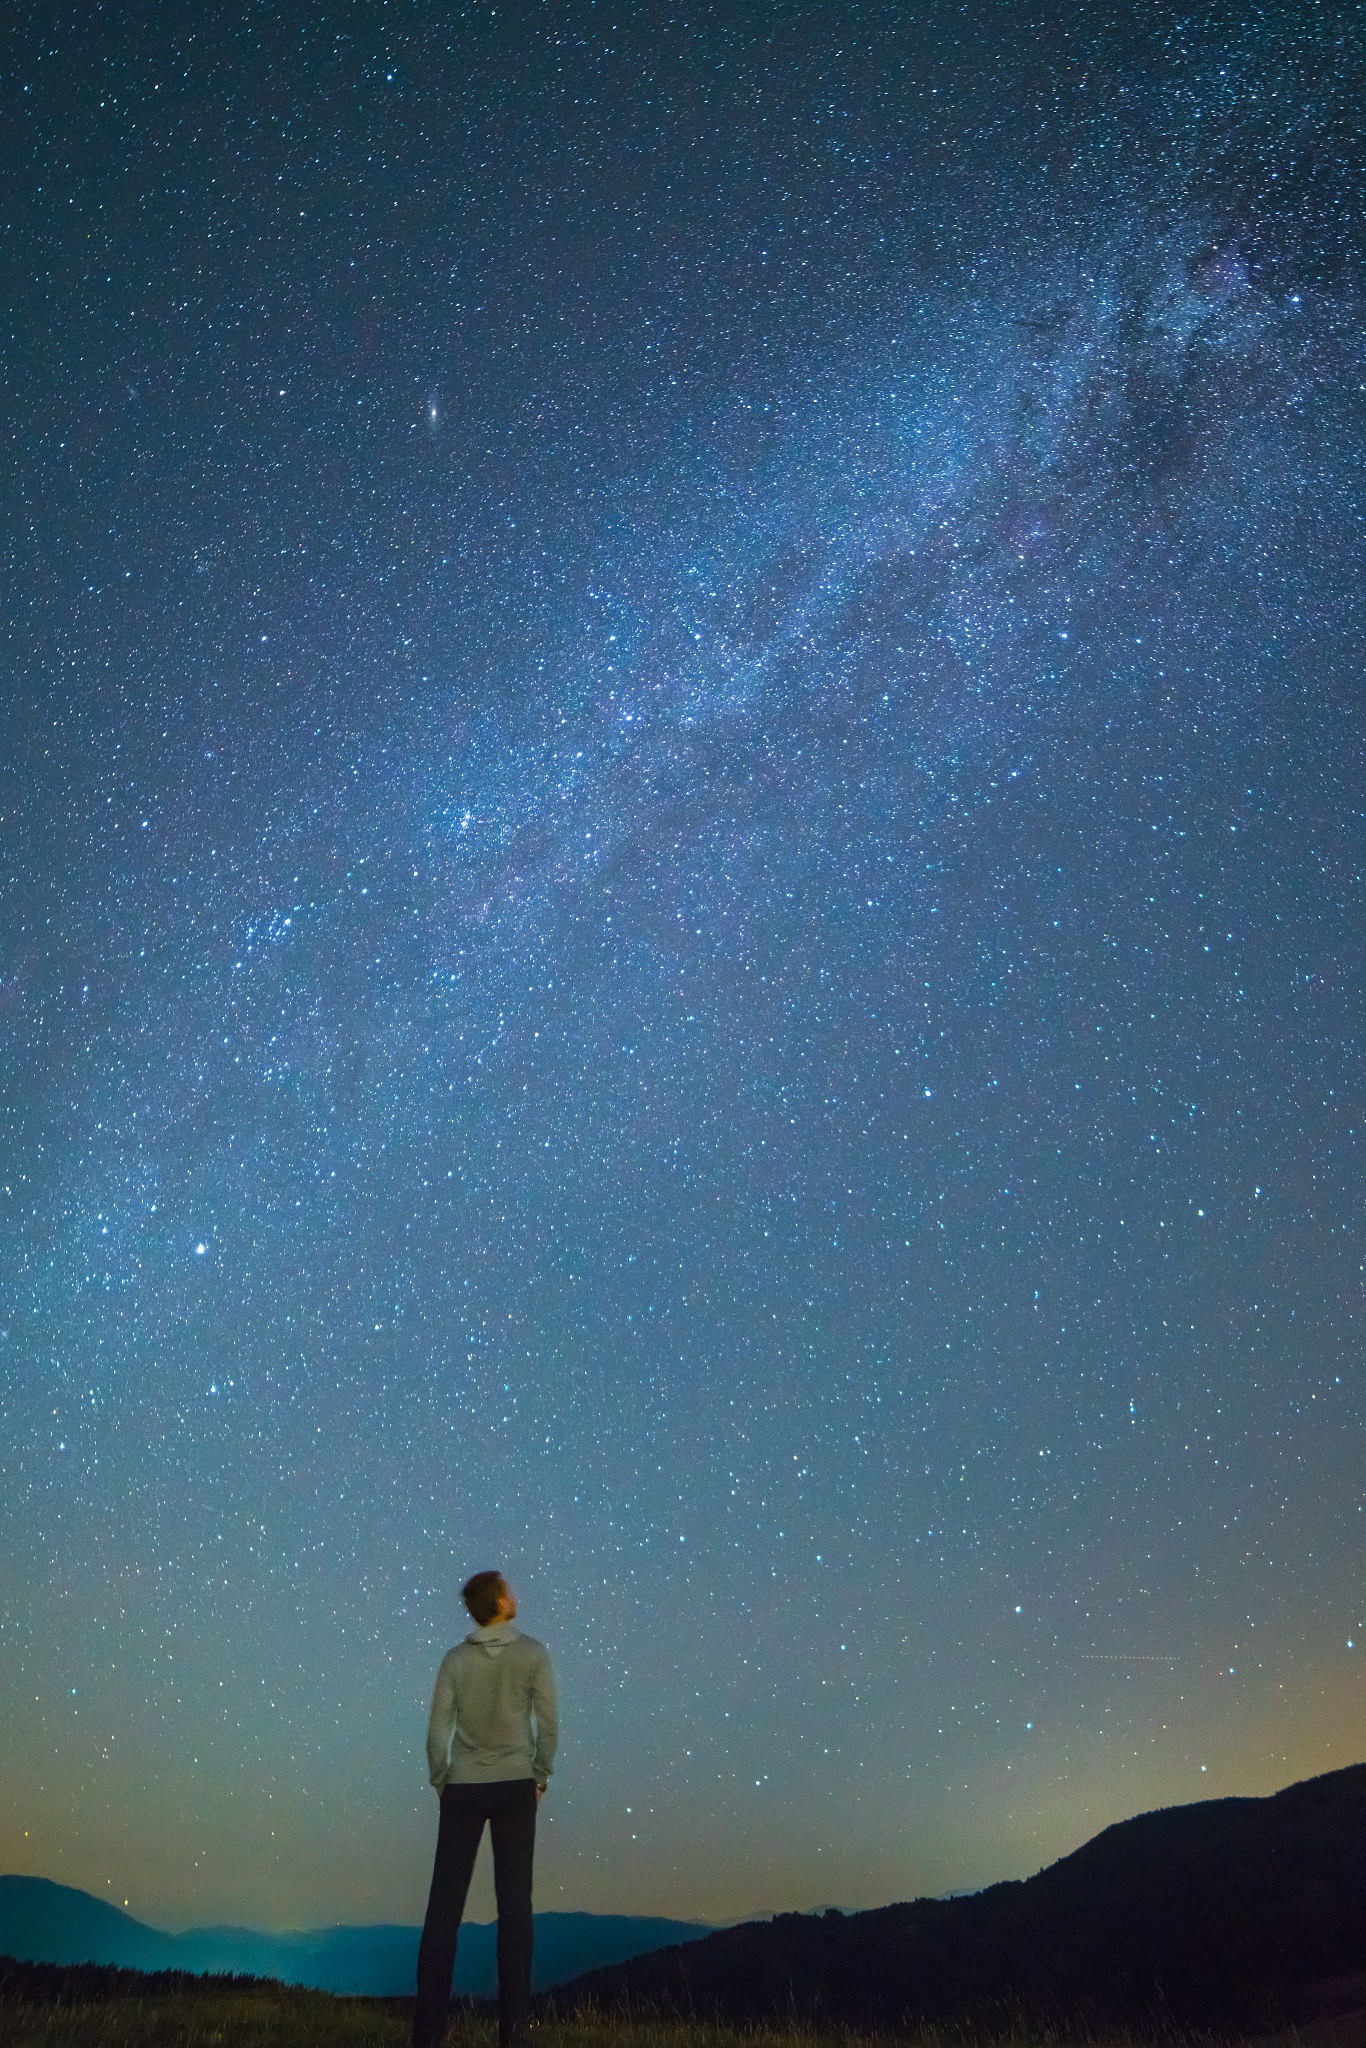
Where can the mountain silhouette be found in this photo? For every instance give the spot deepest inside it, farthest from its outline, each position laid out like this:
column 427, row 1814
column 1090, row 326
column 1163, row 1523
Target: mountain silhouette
column 1234, row 1915
column 53, row 1923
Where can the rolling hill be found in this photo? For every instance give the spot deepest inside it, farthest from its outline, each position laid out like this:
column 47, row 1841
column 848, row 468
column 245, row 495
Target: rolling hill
column 1233, row 1915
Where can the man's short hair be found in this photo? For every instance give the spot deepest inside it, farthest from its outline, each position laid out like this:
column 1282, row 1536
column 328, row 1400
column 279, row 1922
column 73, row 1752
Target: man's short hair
column 481, row 1595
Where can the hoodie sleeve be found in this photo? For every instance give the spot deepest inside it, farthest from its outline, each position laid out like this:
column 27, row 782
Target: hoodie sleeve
column 543, row 1706
column 441, row 1723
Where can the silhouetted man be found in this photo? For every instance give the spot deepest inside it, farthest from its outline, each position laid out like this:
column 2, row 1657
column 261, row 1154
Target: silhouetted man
column 490, row 1741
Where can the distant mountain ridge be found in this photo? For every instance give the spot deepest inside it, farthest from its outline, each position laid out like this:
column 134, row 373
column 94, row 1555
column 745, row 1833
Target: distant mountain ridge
column 43, row 1922
column 1232, row 1916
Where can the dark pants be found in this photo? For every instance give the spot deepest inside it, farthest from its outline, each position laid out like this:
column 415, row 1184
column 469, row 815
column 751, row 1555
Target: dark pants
column 509, row 1807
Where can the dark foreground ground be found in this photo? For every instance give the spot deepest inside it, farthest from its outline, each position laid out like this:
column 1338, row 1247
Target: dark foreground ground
column 43, row 2006
column 202, row 2015
column 90, row 2006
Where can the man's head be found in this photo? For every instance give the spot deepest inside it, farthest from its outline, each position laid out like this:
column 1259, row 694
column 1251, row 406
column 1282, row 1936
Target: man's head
column 489, row 1598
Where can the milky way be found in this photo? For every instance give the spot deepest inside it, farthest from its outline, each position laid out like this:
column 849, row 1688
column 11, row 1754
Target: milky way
column 683, row 828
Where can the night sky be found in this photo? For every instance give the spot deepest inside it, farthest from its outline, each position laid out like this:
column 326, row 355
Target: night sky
column 682, row 816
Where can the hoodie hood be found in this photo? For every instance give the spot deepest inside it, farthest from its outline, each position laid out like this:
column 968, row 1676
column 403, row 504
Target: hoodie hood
column 495, row 1637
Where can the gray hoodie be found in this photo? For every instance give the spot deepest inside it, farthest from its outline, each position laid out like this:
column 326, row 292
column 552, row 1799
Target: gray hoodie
column 490, row 1691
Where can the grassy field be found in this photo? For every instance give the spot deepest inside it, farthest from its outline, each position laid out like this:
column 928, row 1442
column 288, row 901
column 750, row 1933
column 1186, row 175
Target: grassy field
column 265, row 2017
column 249, row 2018
column 97, row 2008
column 268, row 2016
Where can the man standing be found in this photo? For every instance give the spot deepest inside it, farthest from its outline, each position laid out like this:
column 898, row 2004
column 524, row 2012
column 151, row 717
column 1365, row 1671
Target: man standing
column 490, row 1741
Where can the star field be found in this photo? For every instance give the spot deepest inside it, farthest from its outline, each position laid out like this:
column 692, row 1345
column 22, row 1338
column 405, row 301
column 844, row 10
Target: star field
column 682, row 810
